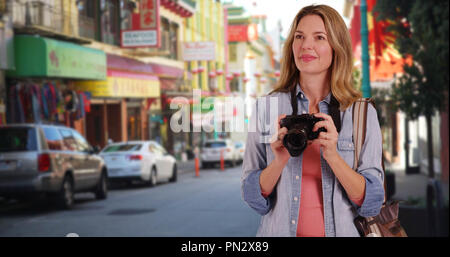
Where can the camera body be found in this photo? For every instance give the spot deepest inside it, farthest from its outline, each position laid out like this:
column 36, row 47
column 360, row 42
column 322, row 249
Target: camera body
column 299, row 132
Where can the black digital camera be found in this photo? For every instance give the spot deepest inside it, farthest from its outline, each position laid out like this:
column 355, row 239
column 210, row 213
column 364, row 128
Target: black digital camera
column 299, row 132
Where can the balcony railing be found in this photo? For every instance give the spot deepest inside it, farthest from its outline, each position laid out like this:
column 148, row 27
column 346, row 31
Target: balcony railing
column 50, row 18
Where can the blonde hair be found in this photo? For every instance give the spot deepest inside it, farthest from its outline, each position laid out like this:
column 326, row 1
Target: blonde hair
column 341, row 67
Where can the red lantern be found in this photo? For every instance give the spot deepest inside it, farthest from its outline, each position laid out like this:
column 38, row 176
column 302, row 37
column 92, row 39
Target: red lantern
column 212, row 74
column 219, row 72
column 277, row 73
column 194, row 71
column 256, row 74
column 245, row 80
column 236, row 74
column 229, row 77
column 201, row 69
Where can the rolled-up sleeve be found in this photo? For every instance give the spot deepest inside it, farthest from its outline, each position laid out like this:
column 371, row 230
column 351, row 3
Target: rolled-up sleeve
column 253, row 164
column 370, row 167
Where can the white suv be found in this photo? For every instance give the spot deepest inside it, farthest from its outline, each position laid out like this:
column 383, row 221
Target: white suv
column 212, row 150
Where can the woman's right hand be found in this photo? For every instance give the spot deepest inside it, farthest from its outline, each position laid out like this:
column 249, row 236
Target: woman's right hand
column 281, row 153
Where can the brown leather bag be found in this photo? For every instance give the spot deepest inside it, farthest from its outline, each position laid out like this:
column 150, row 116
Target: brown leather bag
column 386, row 223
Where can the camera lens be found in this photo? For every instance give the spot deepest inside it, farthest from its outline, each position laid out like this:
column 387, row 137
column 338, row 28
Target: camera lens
column 296, row 138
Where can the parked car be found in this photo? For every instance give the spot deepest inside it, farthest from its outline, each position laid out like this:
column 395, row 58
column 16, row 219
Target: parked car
column 212, row 149
column 50, row 160
column 240, row 149
column 145, row 161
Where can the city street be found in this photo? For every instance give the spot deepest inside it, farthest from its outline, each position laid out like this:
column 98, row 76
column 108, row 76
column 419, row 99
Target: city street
column 209, row 205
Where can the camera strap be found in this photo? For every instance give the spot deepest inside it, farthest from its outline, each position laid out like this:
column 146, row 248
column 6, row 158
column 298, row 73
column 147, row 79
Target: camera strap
column 333, row 109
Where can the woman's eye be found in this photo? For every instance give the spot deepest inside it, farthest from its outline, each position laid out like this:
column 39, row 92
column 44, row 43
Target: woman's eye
column 298, row 36
column 321, row 38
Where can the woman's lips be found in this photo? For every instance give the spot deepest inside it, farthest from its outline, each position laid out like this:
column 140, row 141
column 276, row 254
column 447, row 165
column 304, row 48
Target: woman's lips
column 307, row 58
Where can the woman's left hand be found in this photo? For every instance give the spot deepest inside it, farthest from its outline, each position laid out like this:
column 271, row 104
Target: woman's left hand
column 327, row 140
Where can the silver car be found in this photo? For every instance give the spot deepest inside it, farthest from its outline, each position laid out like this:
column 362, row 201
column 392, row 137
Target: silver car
column 53, row 160
column 212, row 151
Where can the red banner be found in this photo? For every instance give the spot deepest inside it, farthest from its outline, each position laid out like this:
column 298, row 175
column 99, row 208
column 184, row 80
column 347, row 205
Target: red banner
column 239, row 33
column 385, row 60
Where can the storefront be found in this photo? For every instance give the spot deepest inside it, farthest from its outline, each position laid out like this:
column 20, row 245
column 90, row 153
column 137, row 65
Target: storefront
column 120, row 105
column 41, row 87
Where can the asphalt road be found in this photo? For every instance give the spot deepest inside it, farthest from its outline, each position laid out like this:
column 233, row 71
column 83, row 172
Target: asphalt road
column 206, row 206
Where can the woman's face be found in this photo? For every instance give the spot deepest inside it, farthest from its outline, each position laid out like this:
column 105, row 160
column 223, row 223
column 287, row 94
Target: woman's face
column 312, row 52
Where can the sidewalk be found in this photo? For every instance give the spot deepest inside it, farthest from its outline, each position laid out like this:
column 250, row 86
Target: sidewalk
column 413, row 185
column 187, row 166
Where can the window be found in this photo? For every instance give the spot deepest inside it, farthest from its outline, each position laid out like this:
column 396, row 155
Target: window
column 53, row 138
column 68, row 140
column 82, row 145
column 87, row 18
column 127, row 9
column 123, row 148
column 215, row 144
column 17, row 139
column 109, row 21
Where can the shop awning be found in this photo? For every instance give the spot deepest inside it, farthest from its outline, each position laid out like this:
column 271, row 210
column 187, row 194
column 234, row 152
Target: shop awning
column 43, row 57
column 123, row 84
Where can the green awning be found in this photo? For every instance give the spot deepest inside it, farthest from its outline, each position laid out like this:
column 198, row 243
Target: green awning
column 42, row 57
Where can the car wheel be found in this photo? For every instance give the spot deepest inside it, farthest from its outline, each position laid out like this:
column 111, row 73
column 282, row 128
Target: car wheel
column 65, row 197
column 152, row 181
column 174, row 174
column 101, row 191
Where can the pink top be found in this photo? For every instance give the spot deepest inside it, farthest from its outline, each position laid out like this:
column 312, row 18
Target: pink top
column 310, row 217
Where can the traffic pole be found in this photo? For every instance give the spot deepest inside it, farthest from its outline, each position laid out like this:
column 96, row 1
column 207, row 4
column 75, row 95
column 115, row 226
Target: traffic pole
column 197, row 165
column 197, row 168
column 222, row 162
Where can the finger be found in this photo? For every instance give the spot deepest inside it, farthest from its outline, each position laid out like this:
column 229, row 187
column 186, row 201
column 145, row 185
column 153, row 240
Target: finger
column 329, row 126
column 323, row 115
column 282, row 116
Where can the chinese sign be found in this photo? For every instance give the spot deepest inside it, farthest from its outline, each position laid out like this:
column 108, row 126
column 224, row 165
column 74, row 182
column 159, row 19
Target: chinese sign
column 239, row 33
column 199, row 51
column 145, row 30
column 123, row 84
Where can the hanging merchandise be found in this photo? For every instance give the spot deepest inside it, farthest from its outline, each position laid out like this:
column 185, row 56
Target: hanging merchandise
column 87, row 101
column 80, row 108
column 35, row 103
column 71, row 100
column 44, row 103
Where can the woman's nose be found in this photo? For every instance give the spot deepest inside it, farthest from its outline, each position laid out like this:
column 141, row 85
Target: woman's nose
column 307, row 43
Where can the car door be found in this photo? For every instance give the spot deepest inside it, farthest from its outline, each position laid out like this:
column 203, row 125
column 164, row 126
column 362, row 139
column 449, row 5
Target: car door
column 75, row 158
column 158, row 159
column 166, row 161
column 91, row 163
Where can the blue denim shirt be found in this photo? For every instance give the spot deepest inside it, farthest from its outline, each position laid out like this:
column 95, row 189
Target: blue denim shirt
column 281, row 208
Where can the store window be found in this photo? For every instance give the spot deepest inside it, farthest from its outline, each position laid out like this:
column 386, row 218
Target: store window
column 134, row 123
column 109, row 21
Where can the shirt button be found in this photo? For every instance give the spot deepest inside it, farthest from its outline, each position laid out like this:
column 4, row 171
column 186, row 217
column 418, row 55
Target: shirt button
column 293, row 221
column 295, row 198
column 297, row 177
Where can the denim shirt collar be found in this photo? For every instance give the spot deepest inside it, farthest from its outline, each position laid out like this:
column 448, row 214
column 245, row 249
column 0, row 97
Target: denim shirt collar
column 299, row 92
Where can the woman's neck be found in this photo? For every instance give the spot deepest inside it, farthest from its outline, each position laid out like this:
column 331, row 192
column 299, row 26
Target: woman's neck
column 315, row 87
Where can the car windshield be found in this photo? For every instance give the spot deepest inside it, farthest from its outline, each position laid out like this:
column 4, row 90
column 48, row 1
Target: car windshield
column 215, row 144
column 122, row 148
column 17, row 139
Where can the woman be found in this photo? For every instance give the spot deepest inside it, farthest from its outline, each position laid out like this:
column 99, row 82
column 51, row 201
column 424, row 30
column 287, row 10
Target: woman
column 317, row 193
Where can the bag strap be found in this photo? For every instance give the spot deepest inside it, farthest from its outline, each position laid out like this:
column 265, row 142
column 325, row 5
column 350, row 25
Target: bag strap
column 360, row 107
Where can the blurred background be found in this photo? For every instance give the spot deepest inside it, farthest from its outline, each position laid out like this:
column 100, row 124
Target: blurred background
column 86, row 88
